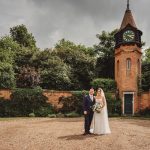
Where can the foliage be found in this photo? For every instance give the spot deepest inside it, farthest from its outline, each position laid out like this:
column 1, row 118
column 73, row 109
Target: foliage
column 28, row 77
column 106, row 84
column 9, row 45
column 31, row 115
column 113, row 104
column 80, row 60
column 146, row 71
column 44, row 111
column 55, row 74
column 105, row 52
column 145, row 112
column 74, row 103
column 21, row 35
column 51, row 115
column 5, row 106
column 72, row 114
column 7, row 76
column 147, row 55
column 26, row 101
column 14, row 55
column 67, row 66
column 146, row 76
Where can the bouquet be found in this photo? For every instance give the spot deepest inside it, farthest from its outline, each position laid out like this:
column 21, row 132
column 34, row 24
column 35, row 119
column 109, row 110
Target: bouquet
column 97, row 107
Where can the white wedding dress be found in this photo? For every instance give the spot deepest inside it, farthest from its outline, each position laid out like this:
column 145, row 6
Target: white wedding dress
column 100, row 120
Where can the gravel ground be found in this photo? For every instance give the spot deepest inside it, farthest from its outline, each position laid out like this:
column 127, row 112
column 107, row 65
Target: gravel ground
column 66, row 134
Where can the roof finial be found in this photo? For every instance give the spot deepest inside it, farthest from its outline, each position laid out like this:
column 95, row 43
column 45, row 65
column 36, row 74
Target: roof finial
column 128, row 5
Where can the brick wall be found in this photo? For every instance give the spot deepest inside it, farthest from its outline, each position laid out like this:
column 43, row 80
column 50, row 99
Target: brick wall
column 5, row 94
column 53, row 98
column 144, row 100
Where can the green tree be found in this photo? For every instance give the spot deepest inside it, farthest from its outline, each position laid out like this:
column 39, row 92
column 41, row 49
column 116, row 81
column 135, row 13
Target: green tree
column 146, row 71
column 21, row 35
column 7, row 75
column 27, row 46
column 7, row 54
column 55, row 74
column 147, row 55
column 105, row 54
column 81, row 61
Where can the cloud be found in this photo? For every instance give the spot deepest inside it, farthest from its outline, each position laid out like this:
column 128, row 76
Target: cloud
column 75, row 20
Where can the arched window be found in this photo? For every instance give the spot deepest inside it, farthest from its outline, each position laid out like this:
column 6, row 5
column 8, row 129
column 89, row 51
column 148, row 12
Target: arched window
column 138, row 67
column 128, row 66
column 118, row 68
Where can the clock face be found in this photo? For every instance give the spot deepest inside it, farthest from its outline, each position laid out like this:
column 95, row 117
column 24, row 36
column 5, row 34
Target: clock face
column 128, row 36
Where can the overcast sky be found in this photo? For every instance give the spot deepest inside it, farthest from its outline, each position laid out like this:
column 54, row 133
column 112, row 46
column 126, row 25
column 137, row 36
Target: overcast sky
column 75, row 20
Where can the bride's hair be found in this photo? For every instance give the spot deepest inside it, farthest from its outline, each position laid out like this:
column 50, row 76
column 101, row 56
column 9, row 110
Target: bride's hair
column 99, row 90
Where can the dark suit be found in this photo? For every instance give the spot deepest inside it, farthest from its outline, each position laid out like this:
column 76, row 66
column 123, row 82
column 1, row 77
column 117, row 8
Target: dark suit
column 87, row 104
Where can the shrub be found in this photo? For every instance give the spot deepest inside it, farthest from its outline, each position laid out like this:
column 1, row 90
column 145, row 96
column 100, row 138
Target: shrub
column 31, row 115
column 60, row 115
column 51, row 115
column 72, row 114
column 5, row 106
column 7, row 76
column 105, row 84
column 44, row 111
column 72, row 103
column 26, row 101
column 113, row 104
column 145, row 112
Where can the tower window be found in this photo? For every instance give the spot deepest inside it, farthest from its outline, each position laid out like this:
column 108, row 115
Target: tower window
column 128, row 66
column 139, row 67
column 118, row 68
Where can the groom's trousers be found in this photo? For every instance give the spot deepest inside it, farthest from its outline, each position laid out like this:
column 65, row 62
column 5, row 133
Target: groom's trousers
column 88, row 119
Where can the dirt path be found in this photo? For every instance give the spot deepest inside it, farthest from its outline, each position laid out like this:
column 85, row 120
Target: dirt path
column 65, row 134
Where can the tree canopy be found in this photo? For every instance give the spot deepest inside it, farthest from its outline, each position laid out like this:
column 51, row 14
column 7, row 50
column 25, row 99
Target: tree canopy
column 105, row 54
column 66, row 66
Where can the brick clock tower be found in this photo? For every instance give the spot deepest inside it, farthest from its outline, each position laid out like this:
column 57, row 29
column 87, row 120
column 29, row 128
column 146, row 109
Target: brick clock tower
column 128, row 62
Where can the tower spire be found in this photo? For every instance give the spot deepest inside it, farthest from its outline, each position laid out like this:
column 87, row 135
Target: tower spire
column 128, row 18
column 128, row 5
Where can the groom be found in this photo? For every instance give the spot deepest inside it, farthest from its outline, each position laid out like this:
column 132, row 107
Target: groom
column 88, row 102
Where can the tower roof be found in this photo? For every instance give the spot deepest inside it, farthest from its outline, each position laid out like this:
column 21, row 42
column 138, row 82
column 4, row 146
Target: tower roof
column 128, row 19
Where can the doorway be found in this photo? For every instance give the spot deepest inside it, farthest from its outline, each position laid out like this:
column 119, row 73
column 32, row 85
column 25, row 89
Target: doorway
column 128, row 103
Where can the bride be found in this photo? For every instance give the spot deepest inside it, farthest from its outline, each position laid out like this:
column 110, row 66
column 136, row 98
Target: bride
column 100, row 120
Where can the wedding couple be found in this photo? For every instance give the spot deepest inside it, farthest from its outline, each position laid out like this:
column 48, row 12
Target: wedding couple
column 98, row 119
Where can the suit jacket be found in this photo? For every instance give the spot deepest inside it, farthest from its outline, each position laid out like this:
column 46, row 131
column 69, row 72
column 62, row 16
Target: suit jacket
column 88, row 103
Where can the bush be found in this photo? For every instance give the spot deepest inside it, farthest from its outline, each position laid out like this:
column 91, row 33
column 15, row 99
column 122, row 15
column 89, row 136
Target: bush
column 113, row 105
column 105, row 84
column 72, row 103
column 31, row 115
column 145, row 76
column 5, row 106
column 72, row 114
column 44, row 111
column 26, row 101
column 60, row 115
column 7, row 76
column 145, row 112
column 51, row 115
